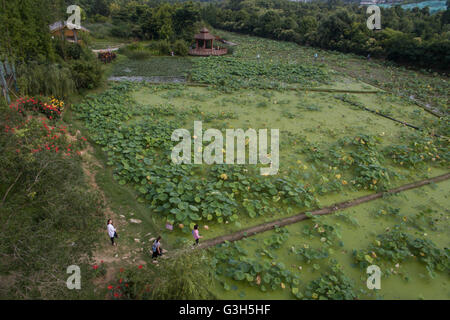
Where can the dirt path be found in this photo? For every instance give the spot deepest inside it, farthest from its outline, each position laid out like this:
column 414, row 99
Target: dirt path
column 324, row 211
column 112, row 257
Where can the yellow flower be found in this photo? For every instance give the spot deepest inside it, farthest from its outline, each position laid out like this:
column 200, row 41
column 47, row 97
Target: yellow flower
column 338, row 176
column 344, row 182
column 315, row 295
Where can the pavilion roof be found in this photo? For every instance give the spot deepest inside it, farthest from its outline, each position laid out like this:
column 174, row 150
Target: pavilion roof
column 58, row 25
column 204, row 35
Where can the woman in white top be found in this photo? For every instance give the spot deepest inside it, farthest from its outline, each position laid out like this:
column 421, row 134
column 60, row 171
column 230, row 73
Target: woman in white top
column 111, row 231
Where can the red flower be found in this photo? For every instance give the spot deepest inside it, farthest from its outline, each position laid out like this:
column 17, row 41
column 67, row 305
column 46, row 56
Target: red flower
column 95, row 267
column 121, row 270
column 120, row 280
column 140, row 266
column 116, row 295
column 110, row 287
column 101, row 261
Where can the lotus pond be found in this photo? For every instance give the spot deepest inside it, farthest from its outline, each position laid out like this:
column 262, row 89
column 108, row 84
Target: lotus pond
column 330, row 150
column 336, row 143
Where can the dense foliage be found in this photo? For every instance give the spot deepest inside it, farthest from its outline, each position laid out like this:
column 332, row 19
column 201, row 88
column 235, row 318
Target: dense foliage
column 397, row 246
column 44, row 65
column 48, row 220
column 233, row 261
column 408, row 36
column 230, row 72
column 185, row 276
column 153, row 20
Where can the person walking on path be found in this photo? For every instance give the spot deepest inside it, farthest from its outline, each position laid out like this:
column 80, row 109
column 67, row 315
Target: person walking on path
column 111, row 232
column 156, row 248
column 196, row 235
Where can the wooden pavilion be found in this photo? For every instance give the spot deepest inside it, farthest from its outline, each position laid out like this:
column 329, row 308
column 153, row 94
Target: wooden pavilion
column 67, row 31
column 204, row 45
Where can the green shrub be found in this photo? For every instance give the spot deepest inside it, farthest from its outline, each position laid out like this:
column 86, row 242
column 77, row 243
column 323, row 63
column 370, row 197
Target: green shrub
column 136, row 51
column 180, row 48
column 182, row 276
column 121, row 31
column 153, row 46
column 67, row 50
column 74, row 51
column 230, row 49
column 45, row 79
column 86, row 74
column 164, row 47
column 140, row 54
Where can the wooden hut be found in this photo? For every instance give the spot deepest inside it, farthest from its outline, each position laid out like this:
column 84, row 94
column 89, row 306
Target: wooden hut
column 204, row 45
column 67, row 31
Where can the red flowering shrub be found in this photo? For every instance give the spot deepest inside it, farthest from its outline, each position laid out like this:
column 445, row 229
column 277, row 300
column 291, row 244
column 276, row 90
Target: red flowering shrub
column 49, row 109
column 99, row 269
column 131, row 284
column 36, row 134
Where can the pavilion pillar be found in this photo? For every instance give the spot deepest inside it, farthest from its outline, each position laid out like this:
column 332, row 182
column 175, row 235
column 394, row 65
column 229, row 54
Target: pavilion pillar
column 204, row 44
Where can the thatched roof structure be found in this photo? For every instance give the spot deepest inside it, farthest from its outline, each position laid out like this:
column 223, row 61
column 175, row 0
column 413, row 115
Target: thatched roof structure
column 204, row 35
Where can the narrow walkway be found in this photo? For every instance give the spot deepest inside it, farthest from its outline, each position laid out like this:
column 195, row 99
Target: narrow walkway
column 324, row 211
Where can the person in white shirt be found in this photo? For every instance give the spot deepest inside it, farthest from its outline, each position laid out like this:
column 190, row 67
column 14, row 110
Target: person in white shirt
column 111, row 232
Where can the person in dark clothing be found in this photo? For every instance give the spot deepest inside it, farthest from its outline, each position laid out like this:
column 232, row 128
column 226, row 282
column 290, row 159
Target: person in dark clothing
column 156, row 248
